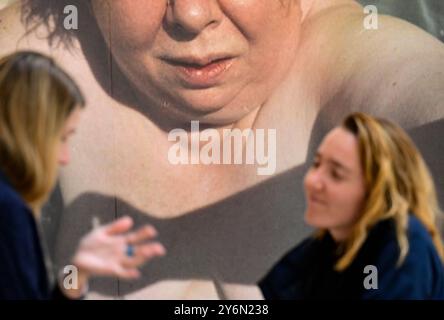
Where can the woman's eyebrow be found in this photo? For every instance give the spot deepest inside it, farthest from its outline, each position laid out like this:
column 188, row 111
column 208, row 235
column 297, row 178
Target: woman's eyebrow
column 339, row 165
column 335, row 163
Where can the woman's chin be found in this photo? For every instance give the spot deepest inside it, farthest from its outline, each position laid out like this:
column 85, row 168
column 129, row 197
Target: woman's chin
column 210, row 111
column 204, row 100
column 313, row 220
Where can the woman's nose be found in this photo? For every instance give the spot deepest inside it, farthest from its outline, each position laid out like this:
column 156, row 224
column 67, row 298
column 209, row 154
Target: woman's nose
column 314, row 180
column 192, row 16
column 64, row 156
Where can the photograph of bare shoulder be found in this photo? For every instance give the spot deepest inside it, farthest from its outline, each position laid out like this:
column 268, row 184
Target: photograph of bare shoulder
column 222, row 149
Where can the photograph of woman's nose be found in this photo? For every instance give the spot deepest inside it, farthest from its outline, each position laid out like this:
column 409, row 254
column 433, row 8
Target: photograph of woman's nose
column 191, row 17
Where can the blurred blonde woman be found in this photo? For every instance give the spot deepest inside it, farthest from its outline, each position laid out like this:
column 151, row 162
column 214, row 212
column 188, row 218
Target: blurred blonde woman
column 373, row 204
column 40, row 107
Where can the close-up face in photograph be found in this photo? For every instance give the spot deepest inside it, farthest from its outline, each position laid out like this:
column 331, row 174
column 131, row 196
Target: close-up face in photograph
column 221, row 150
column 218, row 59
column 334, row 185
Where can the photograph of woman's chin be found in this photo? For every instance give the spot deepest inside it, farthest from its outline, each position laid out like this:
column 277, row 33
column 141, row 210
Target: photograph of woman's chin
column 248, row 141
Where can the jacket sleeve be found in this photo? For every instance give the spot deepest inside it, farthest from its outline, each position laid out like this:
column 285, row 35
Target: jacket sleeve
column 22, row 271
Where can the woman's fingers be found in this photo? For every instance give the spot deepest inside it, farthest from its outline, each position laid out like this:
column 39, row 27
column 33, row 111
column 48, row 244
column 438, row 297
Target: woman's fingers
column 127, row 267
column 143, row 253
column 152, row 250
column 144, row 233
column 108, row 254
column 126, row 273
column 119, row 226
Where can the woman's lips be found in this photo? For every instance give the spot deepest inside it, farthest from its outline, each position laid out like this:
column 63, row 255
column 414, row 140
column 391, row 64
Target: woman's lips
column 197, row 76
column 316, row 201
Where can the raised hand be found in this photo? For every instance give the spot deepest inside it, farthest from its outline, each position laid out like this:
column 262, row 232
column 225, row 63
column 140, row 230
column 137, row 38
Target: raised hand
column 111, row 250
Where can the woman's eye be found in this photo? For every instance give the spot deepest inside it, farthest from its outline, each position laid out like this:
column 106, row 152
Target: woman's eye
column 336, row 175
column 315, row 163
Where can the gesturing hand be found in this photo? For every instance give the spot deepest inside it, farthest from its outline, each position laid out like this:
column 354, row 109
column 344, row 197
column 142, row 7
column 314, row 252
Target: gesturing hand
column 105, row 252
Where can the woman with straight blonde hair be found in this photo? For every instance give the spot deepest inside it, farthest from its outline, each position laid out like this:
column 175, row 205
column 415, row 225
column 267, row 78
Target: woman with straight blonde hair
column 40, row 107
column 373, row 203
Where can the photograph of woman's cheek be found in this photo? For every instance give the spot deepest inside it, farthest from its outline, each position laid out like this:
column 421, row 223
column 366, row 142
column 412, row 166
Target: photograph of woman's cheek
column 218, row 122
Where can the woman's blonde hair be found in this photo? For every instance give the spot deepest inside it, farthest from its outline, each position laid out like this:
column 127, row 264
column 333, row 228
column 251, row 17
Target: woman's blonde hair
column 36, row 98
column 397, row 181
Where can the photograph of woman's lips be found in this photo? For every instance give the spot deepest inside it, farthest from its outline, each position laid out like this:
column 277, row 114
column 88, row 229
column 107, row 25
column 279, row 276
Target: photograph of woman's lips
column 200, row 73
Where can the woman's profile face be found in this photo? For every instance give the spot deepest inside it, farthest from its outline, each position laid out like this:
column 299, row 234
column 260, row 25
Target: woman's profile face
column 68, row 130
column 215, row 59
column 335, row 185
